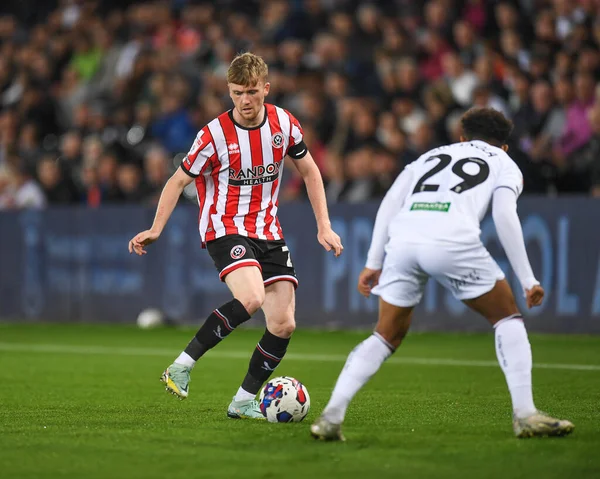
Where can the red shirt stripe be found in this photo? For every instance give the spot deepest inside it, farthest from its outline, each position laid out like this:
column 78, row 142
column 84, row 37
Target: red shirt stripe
column 277, row 157
column 200, row 148
column 216, row 164
column 257, row 190
column 201, row 189
column 235, row 162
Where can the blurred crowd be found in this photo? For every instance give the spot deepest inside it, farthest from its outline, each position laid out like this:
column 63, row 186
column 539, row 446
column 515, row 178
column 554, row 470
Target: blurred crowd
column 100, row 100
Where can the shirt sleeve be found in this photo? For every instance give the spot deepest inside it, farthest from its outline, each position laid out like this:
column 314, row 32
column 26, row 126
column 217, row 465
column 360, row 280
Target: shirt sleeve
column 510, row 233
column 510, row 177
column 200, row 154
column 297, row 148
column 391, row 204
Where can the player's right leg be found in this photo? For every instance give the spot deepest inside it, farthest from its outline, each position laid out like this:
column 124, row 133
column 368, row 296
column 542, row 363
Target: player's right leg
column 400, row 288
column 513, row 350
column 241, row 272
column 362, row 363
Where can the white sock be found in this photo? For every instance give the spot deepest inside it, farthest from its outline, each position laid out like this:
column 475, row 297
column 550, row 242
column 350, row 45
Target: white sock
column 514, row 355
column 185, row 360
column 362, row 363
column 243, row 395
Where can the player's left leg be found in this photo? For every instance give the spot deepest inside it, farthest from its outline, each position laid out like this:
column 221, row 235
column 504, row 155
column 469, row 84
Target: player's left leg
column 474, row 277
column 279, row 308
column 513, row 350
column 362, row 363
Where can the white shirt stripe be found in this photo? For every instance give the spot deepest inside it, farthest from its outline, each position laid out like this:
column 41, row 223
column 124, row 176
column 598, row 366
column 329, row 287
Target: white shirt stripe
column 296, row 134
column 219, row 138
column 202, row 157
column 284, row 122
column 267, row 151
column 245, row 191
column 209, row 197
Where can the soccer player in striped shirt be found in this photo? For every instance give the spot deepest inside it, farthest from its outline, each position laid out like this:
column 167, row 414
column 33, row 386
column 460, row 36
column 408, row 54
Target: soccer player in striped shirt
column 236, row 163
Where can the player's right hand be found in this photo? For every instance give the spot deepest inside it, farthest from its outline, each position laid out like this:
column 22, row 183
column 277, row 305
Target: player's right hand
column 137, row 243
column 534, row 296
column 367, row 280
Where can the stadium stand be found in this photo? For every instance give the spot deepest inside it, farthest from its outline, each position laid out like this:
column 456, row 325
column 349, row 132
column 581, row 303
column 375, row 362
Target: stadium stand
column 99, row 100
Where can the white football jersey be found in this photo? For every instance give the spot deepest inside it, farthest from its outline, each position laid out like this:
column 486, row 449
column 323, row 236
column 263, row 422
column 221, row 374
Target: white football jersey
column 451, row 190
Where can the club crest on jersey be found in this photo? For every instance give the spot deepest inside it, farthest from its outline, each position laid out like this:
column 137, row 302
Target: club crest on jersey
column 257, row 175
column 237, row 251
column 277, row 140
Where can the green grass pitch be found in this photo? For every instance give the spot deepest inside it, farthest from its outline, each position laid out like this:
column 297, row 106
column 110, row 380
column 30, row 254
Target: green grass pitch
column 82, row 401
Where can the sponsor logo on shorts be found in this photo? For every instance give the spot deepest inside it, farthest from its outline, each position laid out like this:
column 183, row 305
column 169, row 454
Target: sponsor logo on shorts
column 472, row 277
column 238, row 251
column 437, row 206
column 277, row 140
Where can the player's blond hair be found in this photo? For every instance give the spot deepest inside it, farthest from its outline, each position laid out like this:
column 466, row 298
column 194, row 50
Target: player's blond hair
column 247, row 69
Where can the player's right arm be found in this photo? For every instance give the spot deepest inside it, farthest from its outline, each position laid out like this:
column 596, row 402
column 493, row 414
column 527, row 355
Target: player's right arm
column 391, row 204
column 510, row 233
column 166, row 204
column 194, row 164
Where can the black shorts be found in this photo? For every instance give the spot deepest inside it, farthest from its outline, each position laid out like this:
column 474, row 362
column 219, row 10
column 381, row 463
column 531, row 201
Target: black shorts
column 271, row 257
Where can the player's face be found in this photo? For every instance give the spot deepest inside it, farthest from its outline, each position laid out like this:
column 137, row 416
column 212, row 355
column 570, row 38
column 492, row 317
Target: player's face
column 249, row 100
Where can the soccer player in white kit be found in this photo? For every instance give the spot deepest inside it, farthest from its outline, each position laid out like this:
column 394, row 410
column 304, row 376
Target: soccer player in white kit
column 428, row 225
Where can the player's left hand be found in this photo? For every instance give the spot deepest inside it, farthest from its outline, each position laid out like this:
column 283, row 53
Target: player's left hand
column 330, row 241
column 534, row 296
column 367, row 280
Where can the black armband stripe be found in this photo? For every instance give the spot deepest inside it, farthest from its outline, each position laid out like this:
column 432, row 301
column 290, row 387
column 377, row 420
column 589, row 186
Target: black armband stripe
column 298, row 151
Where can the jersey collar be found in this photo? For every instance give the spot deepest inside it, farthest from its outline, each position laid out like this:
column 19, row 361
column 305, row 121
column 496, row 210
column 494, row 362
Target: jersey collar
column 257, row 127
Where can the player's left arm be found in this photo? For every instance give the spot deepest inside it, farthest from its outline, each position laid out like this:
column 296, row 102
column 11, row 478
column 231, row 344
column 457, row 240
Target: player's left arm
column 311, row 175
column 508, row 226
column 510, row 233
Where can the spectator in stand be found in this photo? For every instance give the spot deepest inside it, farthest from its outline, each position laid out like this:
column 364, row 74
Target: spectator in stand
column 578, row 131
column 130, row 183
column 586, row 161
column 156, row 169
column 459, row 79
column 25, row 192
column 58, row 190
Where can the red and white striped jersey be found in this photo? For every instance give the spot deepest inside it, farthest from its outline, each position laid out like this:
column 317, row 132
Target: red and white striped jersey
column 238, row 172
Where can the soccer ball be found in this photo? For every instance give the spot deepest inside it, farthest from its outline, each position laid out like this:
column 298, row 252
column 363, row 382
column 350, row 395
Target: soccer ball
column 284, row 399
column 150, row 318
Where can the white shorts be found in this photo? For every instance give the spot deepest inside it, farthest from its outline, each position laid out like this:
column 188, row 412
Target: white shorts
column 468, row 271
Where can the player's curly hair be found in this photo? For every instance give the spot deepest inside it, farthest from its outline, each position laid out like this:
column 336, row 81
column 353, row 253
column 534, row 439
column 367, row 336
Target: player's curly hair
column 486, row 124
column 247, row 69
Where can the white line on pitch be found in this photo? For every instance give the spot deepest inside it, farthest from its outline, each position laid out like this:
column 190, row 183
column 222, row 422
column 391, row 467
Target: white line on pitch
column 133, row 351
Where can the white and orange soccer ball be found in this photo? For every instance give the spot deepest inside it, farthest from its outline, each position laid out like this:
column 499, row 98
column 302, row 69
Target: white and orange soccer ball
column 284, row 399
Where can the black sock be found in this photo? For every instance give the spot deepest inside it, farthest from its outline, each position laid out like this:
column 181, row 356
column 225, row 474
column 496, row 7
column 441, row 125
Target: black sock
column 217, row 327
column 266, row 357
